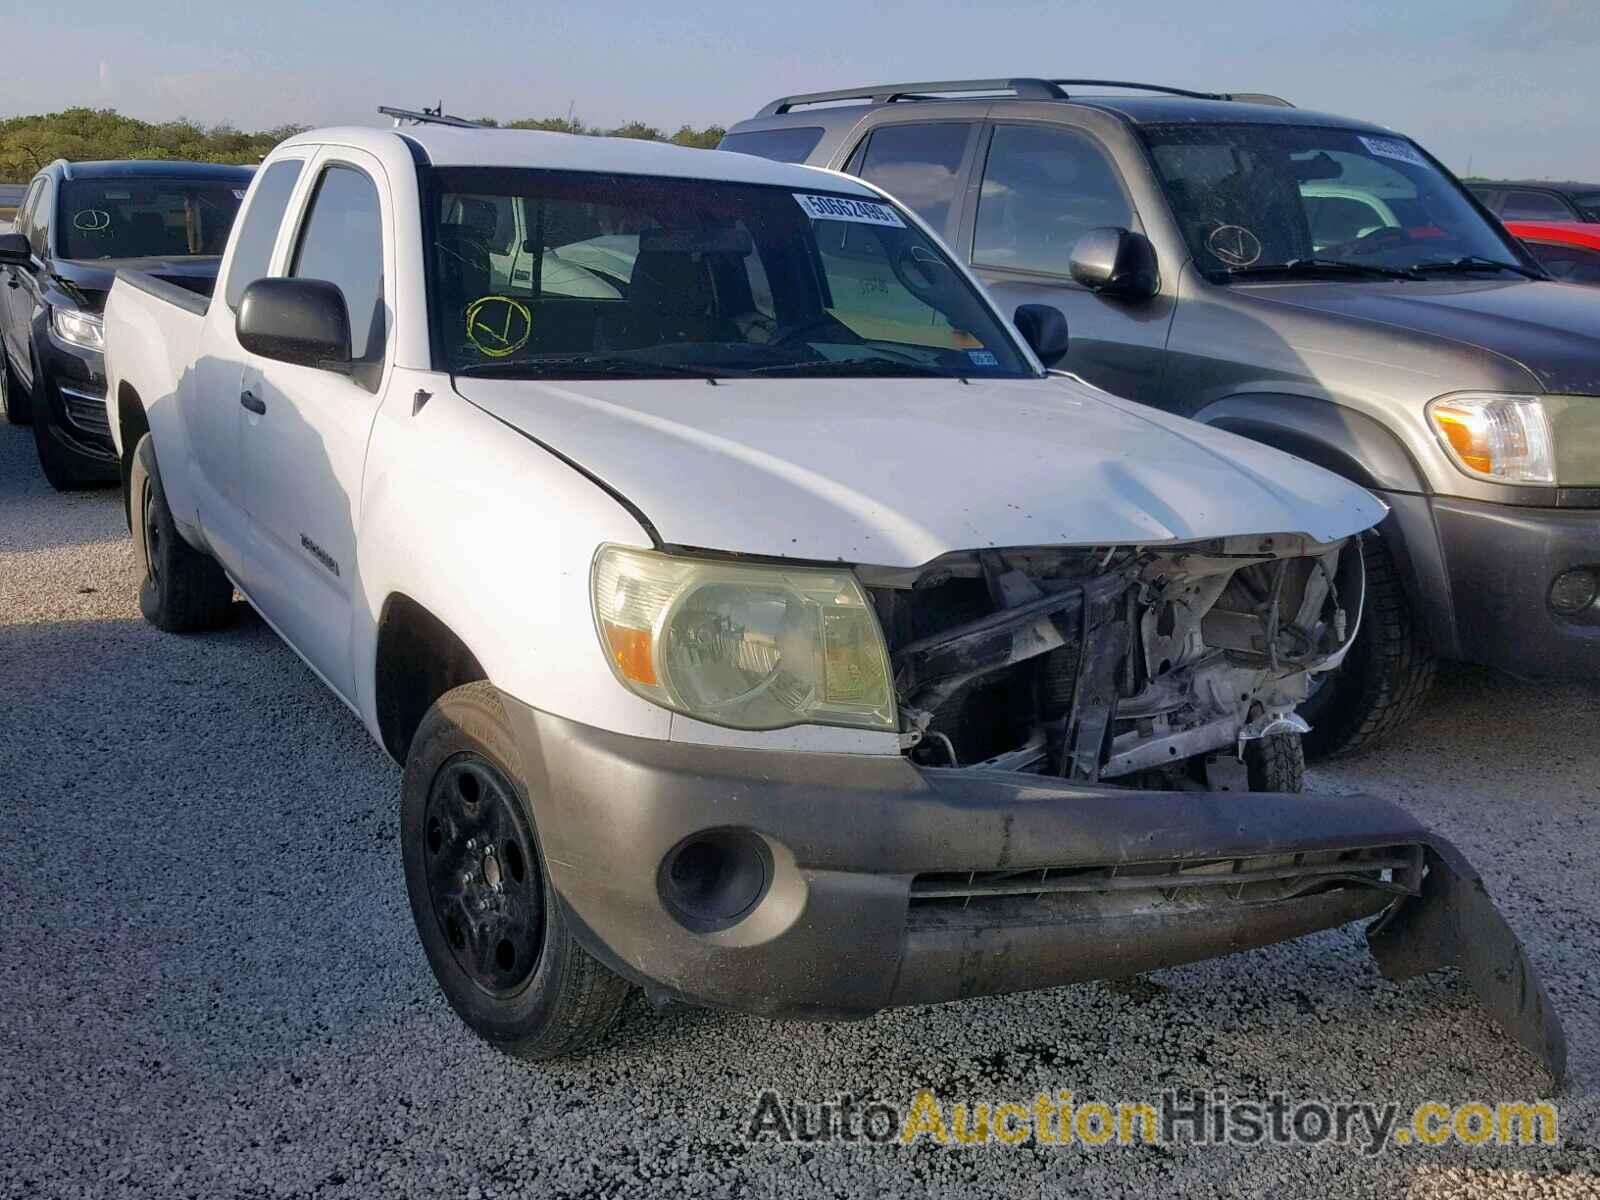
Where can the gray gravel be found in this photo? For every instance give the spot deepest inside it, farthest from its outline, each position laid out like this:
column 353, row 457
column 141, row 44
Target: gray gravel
column 209, row 984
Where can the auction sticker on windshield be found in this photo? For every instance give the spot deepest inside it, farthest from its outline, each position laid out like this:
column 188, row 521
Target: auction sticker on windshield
column 843, row 208
column 1393, row 148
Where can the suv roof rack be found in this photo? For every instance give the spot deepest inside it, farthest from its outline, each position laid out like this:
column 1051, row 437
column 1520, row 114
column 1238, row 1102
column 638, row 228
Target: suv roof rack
column 1022, row 87
column 428, row 116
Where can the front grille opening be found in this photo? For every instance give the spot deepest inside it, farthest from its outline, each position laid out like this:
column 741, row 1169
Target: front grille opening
column 1256, row 879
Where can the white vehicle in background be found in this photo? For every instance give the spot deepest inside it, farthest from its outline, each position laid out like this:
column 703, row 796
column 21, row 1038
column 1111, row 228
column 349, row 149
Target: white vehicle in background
column 756, row 618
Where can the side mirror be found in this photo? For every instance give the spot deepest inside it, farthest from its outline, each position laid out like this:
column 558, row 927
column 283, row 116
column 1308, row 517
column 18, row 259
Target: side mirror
column 15, row 251
column 1115, row 262
column 1044, row 329
column 301, row 321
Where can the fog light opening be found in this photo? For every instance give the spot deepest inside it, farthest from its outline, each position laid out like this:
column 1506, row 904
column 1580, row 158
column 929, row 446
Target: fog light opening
column 1573, row 591
column 712, row 880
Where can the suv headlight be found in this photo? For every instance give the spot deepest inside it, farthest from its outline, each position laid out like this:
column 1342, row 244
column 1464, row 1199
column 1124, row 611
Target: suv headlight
column 78, row 328
column 1503, row 438
column 751, row 647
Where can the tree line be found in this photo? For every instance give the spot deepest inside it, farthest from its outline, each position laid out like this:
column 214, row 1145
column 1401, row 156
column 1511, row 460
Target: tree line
column 28, row 143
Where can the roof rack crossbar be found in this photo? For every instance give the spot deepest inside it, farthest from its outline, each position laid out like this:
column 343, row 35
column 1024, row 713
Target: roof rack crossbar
column 428, row 116
column 888, row 93
column 1022, row 87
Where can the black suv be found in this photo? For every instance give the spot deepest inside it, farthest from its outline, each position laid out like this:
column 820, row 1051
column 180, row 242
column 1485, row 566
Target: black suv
column 79, row 222
column 1316, row 283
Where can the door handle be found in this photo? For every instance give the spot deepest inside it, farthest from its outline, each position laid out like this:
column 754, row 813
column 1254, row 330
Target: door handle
column 253, row 402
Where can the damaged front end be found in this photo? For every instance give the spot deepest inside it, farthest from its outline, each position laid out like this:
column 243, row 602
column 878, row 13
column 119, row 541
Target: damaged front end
column 1154, row 669
column 1148, row 666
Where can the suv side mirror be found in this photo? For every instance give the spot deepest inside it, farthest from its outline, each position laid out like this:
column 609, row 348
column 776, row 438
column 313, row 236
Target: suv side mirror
column 301, row 321
column 1044, row 329
column 1115, row 262
column 15, row 251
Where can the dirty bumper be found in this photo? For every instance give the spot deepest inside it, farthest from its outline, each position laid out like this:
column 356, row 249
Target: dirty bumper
column 824, row 886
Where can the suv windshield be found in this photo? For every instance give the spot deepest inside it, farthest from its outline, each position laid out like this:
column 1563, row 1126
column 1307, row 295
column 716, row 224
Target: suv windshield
column 1254, row 199
column 572, row 275
column 145, row 218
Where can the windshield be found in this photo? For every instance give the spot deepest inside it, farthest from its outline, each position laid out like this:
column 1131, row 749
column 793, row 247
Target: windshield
column 145, row 218
column 1252, row 198
column 573, row 275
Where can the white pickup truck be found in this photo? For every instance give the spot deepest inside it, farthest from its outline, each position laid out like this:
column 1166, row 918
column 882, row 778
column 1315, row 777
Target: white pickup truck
column 757, row 618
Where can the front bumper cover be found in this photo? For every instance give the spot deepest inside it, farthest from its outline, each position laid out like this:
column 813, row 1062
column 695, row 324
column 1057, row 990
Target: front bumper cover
column 864, row 853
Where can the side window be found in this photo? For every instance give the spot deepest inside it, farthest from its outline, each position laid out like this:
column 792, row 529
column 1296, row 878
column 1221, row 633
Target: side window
column 1043, row 187
column 342, row 242
column 39, row 219
column 793, row 145
column 24, row 220
column 917, row 165
column 1534, row 206
column 252, row 251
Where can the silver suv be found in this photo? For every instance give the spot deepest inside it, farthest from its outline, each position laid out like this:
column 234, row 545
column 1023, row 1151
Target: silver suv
column 1316, row 283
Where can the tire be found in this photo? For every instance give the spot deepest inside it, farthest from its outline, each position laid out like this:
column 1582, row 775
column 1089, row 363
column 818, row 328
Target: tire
column 490, row 924
column 1384, row 680
column 18, row 410
column 65, row 471
column 1276, row 763
column 184, row 590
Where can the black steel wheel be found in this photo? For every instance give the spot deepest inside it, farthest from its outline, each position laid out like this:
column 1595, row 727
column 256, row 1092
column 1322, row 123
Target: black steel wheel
column 484, row 880
column 493, row 928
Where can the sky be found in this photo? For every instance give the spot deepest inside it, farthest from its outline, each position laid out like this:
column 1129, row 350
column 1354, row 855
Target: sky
column 1494, row 87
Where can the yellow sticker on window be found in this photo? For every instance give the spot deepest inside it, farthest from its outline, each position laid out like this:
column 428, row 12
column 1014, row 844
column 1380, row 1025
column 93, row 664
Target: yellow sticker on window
column 498, row 325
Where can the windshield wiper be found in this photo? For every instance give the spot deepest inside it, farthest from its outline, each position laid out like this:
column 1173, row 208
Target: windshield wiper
column 590, row 364
column 1477, row 262
column 1323, row 266
column 853, row 366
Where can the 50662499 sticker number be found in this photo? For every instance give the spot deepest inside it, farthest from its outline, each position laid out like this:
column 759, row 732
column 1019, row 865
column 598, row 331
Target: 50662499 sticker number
column 848, row 208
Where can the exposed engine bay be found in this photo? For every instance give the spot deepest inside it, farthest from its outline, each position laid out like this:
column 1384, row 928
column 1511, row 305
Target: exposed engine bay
column 1147, row 665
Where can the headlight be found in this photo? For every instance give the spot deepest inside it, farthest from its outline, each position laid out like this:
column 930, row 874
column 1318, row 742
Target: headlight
column 78, row 328
column 1503, row 438
column 751, row 647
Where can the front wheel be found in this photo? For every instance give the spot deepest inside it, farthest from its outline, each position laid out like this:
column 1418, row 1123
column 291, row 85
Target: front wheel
column 1276, row 763
column 14, row 399
column 1386, row 676
column 490, row 923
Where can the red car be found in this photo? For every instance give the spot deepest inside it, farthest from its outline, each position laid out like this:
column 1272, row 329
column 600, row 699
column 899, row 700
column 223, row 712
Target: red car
column 1569, row 250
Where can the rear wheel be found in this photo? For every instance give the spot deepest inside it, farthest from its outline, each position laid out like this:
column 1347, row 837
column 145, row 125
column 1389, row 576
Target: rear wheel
column 489, row 920
column 184, row 589
column 15, row 400
column 1386, row 676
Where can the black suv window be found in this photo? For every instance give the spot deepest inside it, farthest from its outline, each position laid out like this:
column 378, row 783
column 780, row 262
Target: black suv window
column 30, row 220
column 1534, row 206
column 916, row 164
column 1043, row 188
column 342, row 242
column 252, row 252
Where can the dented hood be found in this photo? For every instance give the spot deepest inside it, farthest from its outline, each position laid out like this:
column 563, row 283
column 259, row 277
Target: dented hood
column 897, row 472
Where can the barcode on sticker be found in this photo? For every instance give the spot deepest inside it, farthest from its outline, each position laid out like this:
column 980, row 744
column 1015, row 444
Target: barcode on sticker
column 845, row 208
column 1394, row 148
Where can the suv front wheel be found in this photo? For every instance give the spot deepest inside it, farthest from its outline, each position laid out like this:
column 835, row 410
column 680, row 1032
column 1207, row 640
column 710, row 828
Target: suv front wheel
column 1386, row 676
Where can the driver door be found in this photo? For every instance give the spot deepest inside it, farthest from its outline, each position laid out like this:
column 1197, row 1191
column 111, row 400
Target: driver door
column 305, row 437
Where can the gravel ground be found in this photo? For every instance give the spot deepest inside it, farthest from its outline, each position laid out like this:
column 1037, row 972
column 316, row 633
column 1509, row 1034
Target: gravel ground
column 209, row 984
